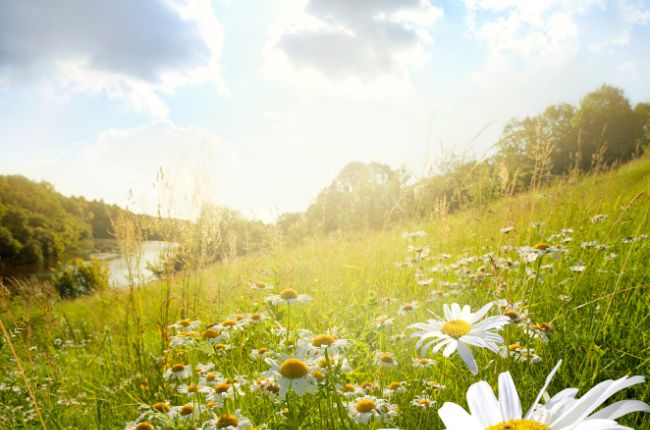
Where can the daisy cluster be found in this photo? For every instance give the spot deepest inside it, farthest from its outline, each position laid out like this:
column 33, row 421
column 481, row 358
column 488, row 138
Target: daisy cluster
column 256, row 370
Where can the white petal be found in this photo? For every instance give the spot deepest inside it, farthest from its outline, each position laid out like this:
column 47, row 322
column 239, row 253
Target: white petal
column 456, row 418
column 468, row 358
column 509, row 398
column 483, row 404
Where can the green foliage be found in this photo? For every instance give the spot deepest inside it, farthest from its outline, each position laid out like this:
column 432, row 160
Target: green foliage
column 81, row 278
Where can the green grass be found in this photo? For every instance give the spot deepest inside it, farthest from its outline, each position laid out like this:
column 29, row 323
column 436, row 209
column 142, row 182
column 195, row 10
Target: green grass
column 94, row 361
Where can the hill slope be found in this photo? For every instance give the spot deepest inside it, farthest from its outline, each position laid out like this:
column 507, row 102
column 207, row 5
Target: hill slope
column 92, row 361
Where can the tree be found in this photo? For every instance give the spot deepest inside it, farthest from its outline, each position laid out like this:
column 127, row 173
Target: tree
column 608, row 129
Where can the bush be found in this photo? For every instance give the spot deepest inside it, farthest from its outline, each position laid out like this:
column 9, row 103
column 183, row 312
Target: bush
column 81, row 278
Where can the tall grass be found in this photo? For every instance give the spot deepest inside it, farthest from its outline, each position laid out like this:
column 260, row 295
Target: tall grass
column 93, row 361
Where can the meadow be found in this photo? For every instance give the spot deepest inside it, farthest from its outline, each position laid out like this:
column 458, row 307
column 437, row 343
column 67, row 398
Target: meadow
column 566, row 268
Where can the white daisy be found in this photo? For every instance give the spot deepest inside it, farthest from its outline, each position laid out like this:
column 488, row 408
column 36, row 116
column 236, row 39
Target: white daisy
column 178, row 372
column 562, row 412
column 194, row 389
column 370, row 408
column 460, row 328
column 292, row 373
column 261, row 286
column 385, row 359
column 407, row 308
column 235, row 421
column 350, row 390
column 185, row 325
column 423, row 402
column 288, row 296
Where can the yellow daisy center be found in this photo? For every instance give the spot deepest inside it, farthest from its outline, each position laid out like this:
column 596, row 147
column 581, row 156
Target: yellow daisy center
column 292, row 368
column 288, row 342
column 424, row 402
column 144, row 425
column 229, row 323
column 365, row 405
column 262, row 350
column 324, row 362
column 541, row 246
column 323, row 340
column 541, row 326
column 161, row 407
column 187, row 409
column 256, row 317
column 318, row 375
column 512, row 314
column 260, row 285
column 210, row 377
column 407, row 307
column 347, row 388
column 185, row 323
column 210, row 334
column 193, row 389
column 211, row 405
column 456, row 328
column 178, row 367
column 288, row 294
column 394, row 385
column 519, row 425
column 220, row 346
column 222, row 388
column 227, row 420
column 515, row 347
column 386, row 358
column 423, row 361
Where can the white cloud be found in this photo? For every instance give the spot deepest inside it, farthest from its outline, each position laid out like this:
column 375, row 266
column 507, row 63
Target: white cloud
column 198, row 165
column 135, row 52
column 351, row 41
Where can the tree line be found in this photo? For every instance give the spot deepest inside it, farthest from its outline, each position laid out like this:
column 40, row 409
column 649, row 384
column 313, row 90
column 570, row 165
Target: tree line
column 603, row 130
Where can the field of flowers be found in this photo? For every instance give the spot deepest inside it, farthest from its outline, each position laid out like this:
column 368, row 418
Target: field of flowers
column 530, row 314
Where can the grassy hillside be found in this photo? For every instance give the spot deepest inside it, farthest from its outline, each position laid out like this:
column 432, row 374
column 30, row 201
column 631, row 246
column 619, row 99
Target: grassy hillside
column 98, row 362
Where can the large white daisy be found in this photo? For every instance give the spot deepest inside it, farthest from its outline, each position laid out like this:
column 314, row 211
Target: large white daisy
column 294, row 373
column 461, row 327
column 562, row 412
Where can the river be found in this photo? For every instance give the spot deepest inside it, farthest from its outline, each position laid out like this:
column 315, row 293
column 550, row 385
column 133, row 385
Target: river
column 150, row 253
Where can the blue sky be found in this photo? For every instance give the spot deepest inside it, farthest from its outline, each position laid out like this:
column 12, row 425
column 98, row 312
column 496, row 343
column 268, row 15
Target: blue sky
column 257, row 105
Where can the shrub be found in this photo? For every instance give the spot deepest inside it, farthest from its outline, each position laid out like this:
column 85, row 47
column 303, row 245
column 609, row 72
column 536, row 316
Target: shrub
column 81, row 278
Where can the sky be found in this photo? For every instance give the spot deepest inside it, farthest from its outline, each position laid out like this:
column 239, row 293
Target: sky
column 257, row 105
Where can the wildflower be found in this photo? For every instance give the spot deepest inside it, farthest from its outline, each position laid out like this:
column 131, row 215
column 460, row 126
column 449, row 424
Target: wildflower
column 580, row 267
column 261, row 353
column 212, row 335
column 288, row 296
column 532, row 253
column 370, row 408
column 460, row 328
column 325, row 341
column 350, row 390
column 210, row 379
column 194, row 389
column 423, row 362
column 221, row 391
column 187, row 412
column 383, row 321
column 235, row 421
column 186, row 325
column 268, row 386
column 261, row 286
column 561, row 412
column 292, row 373
column 394, row 388
column 598, row 218
column 539, row 330
column 519, row 353
column 408, row 308
column 385, row 359
column 178, row 372
column 423, row 402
